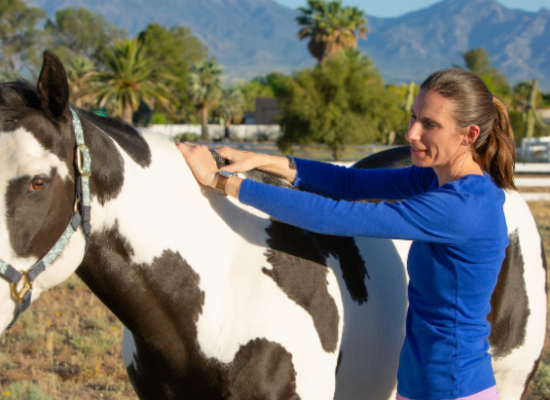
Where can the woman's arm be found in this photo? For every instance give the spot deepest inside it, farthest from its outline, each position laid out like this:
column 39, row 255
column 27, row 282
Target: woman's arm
column 341, row 183
column 441, row 216
column 242, row 161
column 204, row 167
column 316, row 177
column 335, row 181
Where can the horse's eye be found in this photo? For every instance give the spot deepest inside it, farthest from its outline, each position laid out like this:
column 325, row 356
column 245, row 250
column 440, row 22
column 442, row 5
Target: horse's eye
column 37, row 184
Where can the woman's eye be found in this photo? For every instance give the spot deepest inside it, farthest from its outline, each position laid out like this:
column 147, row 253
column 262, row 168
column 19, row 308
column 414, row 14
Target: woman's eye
column 37, row 184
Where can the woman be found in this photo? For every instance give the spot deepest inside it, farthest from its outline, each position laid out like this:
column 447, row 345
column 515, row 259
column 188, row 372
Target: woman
column 463, row 155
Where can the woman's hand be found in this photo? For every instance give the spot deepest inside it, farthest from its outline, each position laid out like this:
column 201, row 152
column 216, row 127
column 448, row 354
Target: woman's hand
column 241, row 161
column 200, row 161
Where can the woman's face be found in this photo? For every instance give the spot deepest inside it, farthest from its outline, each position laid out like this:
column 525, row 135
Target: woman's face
column 435, row 138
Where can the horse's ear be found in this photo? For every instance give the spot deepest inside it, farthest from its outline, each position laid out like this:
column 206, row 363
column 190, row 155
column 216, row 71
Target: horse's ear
column 53, row 87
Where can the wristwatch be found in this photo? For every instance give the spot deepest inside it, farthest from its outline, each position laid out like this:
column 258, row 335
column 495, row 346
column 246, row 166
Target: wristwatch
column 221, row 180
column 291, row 162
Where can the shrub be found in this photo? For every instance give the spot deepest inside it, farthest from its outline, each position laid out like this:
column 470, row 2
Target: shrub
column 540, row 386
column 25, row 390
column 159, row 119
column 186, row 137
column 342, row 101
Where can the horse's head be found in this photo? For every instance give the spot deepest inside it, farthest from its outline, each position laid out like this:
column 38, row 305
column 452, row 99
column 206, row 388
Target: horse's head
column 37, row 181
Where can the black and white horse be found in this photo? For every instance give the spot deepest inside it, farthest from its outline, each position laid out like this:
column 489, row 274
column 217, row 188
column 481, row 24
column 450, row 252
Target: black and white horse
column 219, row 300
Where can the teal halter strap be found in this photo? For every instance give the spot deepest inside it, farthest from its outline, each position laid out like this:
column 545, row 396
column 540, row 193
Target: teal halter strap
column 81, row 217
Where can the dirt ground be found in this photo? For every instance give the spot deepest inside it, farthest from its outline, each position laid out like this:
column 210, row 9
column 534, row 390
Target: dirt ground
column 67, row 345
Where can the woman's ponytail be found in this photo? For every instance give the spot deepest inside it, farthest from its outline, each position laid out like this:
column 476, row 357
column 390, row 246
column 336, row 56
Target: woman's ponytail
column 494, row 150
column 497, row 155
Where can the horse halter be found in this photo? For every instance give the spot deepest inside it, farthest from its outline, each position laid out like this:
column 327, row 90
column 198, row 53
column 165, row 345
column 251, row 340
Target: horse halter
column 83, row 171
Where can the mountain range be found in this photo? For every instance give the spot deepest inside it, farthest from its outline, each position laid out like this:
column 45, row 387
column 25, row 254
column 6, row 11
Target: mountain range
column 253, row 37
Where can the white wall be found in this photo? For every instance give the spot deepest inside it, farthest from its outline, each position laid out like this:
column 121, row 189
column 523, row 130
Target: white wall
column 236, row 132
column 545, row 114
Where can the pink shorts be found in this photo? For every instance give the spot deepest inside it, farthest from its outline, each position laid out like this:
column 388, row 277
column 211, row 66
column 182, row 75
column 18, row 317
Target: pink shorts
column 487, row 394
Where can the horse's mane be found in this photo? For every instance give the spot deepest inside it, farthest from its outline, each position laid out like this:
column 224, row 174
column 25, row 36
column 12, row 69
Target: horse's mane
column 17, row 96
column 107, row 123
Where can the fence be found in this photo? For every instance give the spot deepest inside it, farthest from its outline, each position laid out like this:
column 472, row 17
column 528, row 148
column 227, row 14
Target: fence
column 217, row 132
column 535, row 149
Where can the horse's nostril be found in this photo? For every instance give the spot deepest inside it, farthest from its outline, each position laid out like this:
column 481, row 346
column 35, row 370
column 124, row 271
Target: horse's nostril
column 37, row 184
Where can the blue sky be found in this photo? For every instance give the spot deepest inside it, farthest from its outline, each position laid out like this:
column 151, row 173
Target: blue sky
column 394, row 8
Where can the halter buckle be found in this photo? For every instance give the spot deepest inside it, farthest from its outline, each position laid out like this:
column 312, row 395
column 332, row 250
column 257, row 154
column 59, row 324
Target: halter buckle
column 83, row 161
column 28, row 286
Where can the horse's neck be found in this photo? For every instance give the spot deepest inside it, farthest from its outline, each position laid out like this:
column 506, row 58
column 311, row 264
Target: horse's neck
column 162, row 223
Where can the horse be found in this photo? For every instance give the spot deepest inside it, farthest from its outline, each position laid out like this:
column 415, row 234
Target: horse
column 219, row 301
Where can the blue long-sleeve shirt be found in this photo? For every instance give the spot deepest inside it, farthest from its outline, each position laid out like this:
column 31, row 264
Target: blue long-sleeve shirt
column 459, row 239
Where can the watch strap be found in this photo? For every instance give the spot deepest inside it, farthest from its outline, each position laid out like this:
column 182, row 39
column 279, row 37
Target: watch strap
column 291, row 162
column 221, row 181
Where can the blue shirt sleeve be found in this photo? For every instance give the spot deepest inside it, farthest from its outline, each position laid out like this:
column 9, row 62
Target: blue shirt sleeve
column 444, row 215
column 351, row 184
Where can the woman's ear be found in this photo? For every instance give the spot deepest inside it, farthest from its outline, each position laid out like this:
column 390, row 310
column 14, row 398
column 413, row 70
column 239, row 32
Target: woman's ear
column 471, row 136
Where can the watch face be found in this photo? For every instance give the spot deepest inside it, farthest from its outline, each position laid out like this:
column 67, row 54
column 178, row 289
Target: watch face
column 227, row 174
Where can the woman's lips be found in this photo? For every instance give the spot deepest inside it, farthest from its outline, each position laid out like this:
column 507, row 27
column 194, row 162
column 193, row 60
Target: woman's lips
column 416, row 151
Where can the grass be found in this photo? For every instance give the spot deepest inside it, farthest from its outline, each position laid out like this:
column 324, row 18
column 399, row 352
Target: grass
column 68, row 346
column 539, row 389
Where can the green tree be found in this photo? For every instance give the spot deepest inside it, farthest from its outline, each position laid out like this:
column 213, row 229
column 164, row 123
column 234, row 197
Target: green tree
column 477, row 61
column 230, row 105
column 253, row 89
column 81, row 73
column 79, row 31
column 330, row 27
column 174, row 50
column 337, row 103
column 7, row 75
column 127, row 80
column 526, row 121
column 412, row 91
column 205, row 88
column 19, row 36
column 262, row 86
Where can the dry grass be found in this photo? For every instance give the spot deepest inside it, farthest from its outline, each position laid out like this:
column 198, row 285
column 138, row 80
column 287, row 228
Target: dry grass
column 534, row 189
column 67, row 345
column 540, row 387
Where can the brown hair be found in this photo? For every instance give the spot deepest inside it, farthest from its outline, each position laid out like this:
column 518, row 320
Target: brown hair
column 494, row 150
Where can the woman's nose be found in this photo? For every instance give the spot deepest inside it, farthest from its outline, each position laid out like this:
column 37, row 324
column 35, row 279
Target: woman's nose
column 413, row 134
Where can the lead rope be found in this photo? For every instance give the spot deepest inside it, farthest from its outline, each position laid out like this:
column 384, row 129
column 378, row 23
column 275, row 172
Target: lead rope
column 81, row 216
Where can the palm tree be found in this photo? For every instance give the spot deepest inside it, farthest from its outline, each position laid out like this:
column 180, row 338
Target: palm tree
column 331, row 27
column 526, row 99
column 230, row 105
column 81, row 74
column 7, row 75
column 205, row 88
column 129, row 80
